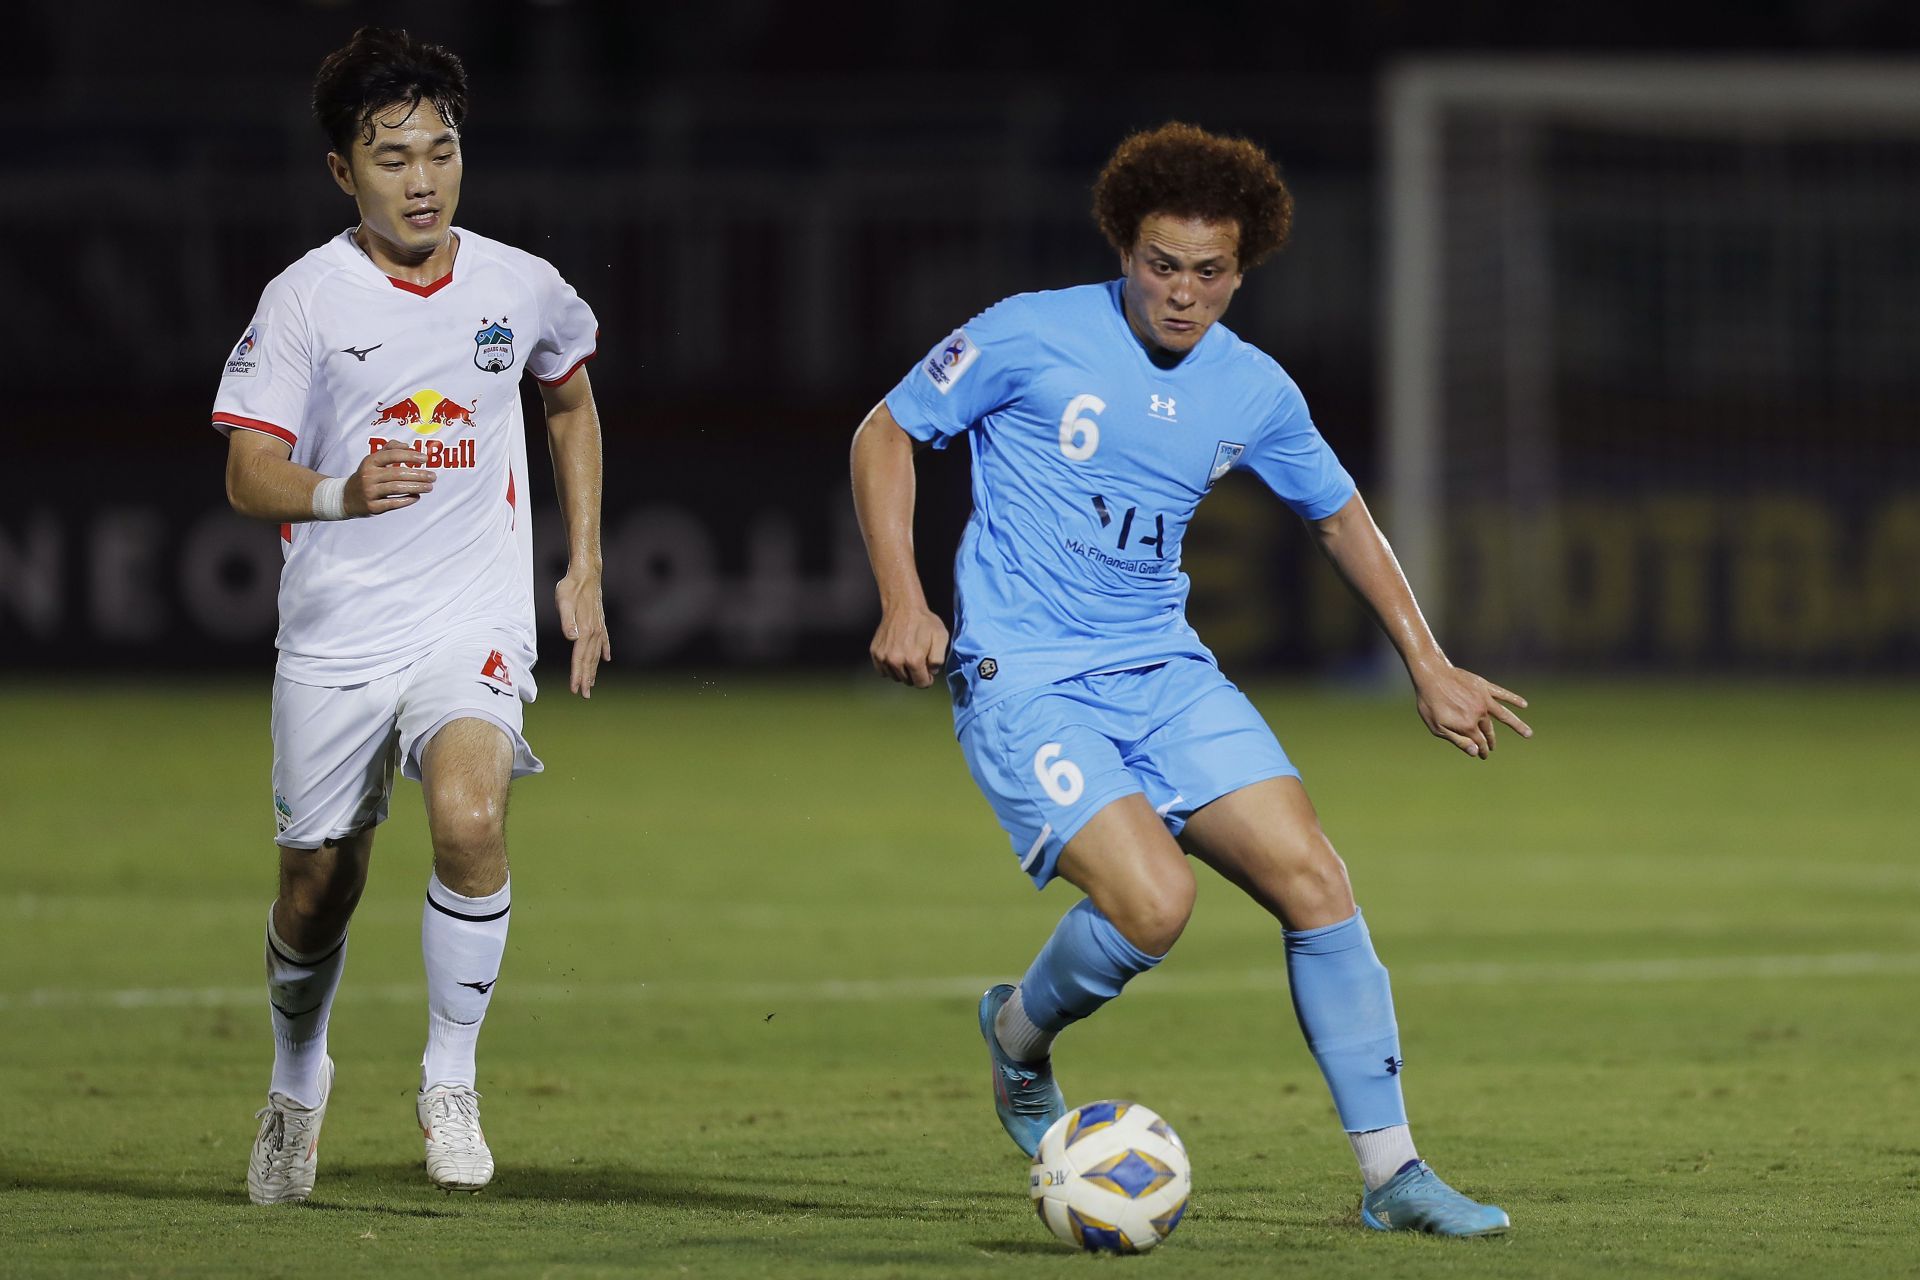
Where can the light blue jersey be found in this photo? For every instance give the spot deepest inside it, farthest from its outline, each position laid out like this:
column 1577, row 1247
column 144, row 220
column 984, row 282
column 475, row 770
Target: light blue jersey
column 1088, row 463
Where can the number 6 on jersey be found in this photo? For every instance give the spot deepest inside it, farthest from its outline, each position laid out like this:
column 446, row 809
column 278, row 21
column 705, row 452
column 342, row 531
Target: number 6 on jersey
column 1079, row 436
column 1062, row 778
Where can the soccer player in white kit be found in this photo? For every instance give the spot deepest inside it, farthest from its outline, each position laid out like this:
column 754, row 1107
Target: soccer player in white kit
column 372, row 411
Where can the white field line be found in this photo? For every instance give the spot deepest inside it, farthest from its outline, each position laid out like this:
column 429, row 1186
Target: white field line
column 879, row 990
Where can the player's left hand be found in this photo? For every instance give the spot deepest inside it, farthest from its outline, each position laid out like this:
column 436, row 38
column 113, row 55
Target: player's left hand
column 1460, row 707
column 584, row 621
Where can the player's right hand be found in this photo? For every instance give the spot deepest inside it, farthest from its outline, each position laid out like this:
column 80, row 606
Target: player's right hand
column 910, row 646
column 386, row 480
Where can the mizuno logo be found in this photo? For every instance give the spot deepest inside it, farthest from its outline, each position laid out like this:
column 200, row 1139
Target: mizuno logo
column 493, row 688
column 1394, row 1065
column 481, row 987
column 361, row 353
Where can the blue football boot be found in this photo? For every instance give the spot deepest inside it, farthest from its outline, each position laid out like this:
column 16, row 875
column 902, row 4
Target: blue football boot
column 1415, row 1199
column 1024, row 1093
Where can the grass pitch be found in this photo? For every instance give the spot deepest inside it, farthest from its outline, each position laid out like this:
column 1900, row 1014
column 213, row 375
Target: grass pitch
column 1655, row 974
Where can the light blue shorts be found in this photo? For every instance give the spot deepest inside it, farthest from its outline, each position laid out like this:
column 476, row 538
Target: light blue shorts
column 1050, row 758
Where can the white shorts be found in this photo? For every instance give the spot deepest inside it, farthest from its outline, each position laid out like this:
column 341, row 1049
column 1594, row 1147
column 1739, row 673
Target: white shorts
column 334, row 749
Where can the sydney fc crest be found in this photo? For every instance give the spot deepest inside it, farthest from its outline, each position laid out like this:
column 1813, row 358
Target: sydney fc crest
column 493, row 346
column 1224, row 459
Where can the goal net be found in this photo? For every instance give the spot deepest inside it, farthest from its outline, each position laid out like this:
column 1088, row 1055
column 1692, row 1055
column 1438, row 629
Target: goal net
column 1652, row 361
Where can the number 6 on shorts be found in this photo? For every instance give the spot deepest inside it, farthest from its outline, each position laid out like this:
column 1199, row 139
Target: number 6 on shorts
column 1062, row 778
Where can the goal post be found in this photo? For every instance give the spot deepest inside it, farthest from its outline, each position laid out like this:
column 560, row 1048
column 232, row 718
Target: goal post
column 1617, row 290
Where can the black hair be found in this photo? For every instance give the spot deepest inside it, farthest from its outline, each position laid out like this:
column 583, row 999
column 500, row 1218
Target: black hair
column 377, row 68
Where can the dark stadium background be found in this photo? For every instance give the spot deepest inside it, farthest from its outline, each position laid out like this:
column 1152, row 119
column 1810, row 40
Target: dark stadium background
column 774, row 209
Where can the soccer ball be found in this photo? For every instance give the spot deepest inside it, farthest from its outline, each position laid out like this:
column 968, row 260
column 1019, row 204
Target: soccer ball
column 1111, row 1177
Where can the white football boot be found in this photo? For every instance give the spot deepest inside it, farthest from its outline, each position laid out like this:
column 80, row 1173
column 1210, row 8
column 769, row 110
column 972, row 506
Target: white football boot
column 286, row 1152
column 457, row 1154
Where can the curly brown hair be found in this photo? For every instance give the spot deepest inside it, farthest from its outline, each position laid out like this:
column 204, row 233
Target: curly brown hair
column 1183, row 170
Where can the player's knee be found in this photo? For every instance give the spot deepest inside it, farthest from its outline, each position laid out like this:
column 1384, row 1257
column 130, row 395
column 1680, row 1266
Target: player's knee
column 469, row 833
column 1323, row 870
column 1154, row 912
column 469, row 839
column 316, row 902
column 1309, row 882
column 319, row 888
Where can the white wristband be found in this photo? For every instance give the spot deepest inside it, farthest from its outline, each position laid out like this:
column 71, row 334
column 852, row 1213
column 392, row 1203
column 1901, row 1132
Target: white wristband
column 330, row 499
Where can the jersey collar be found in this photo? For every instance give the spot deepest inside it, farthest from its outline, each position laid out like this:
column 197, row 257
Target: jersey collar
column 406, row 286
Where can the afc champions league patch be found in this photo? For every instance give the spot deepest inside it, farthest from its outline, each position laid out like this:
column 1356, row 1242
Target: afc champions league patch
column 948, row 363
column 1224, row 459
column 245, row 360
column 493, row 346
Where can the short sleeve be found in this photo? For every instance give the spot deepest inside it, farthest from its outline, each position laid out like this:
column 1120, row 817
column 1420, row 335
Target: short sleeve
column 569, row 334
column 1296, row 462
column 974, row 370
column 267, row 375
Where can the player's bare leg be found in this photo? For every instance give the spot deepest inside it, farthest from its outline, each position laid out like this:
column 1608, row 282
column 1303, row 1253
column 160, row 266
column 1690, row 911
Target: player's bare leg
column 1134, row 872
column 306, row 952
column 1139, row 895
column 466, row 769
column 1266, row 838
column 319, row 890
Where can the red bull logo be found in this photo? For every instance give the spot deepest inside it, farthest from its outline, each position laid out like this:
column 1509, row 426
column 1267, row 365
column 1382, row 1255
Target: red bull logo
column 426, row 411
column 405, row 412
column 449, row 412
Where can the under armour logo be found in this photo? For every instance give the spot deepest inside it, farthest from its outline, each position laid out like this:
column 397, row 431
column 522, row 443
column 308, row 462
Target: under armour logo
column 481, row 987
column 361, row 353
column 1394, row 1065
column 1161, row 406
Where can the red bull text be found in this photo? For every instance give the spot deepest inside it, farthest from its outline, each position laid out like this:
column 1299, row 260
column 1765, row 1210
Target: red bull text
column 433, row 453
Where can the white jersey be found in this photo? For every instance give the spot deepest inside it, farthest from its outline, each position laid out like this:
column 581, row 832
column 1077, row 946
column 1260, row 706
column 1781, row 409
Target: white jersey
column 341, row 359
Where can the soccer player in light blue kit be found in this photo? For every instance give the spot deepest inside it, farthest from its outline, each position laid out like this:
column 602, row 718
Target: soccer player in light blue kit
column 1098, row 726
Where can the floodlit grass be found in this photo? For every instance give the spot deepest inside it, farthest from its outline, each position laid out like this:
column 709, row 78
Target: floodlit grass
column 1655, row 974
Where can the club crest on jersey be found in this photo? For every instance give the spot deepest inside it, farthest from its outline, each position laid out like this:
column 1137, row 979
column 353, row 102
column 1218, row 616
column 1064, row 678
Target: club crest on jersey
column 245, row 360
column 1224, row 459
column 1161, row 407
column 948, row 363
column 493, row 346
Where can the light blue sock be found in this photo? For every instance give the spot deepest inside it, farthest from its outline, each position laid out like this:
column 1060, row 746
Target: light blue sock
column 1083, row 965
column 1345, row 1005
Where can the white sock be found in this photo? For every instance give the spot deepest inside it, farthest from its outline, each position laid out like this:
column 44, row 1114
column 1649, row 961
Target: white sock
column 1382, row 1153
column 1022, row 1041
column 300, row 987
column 462, row 940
